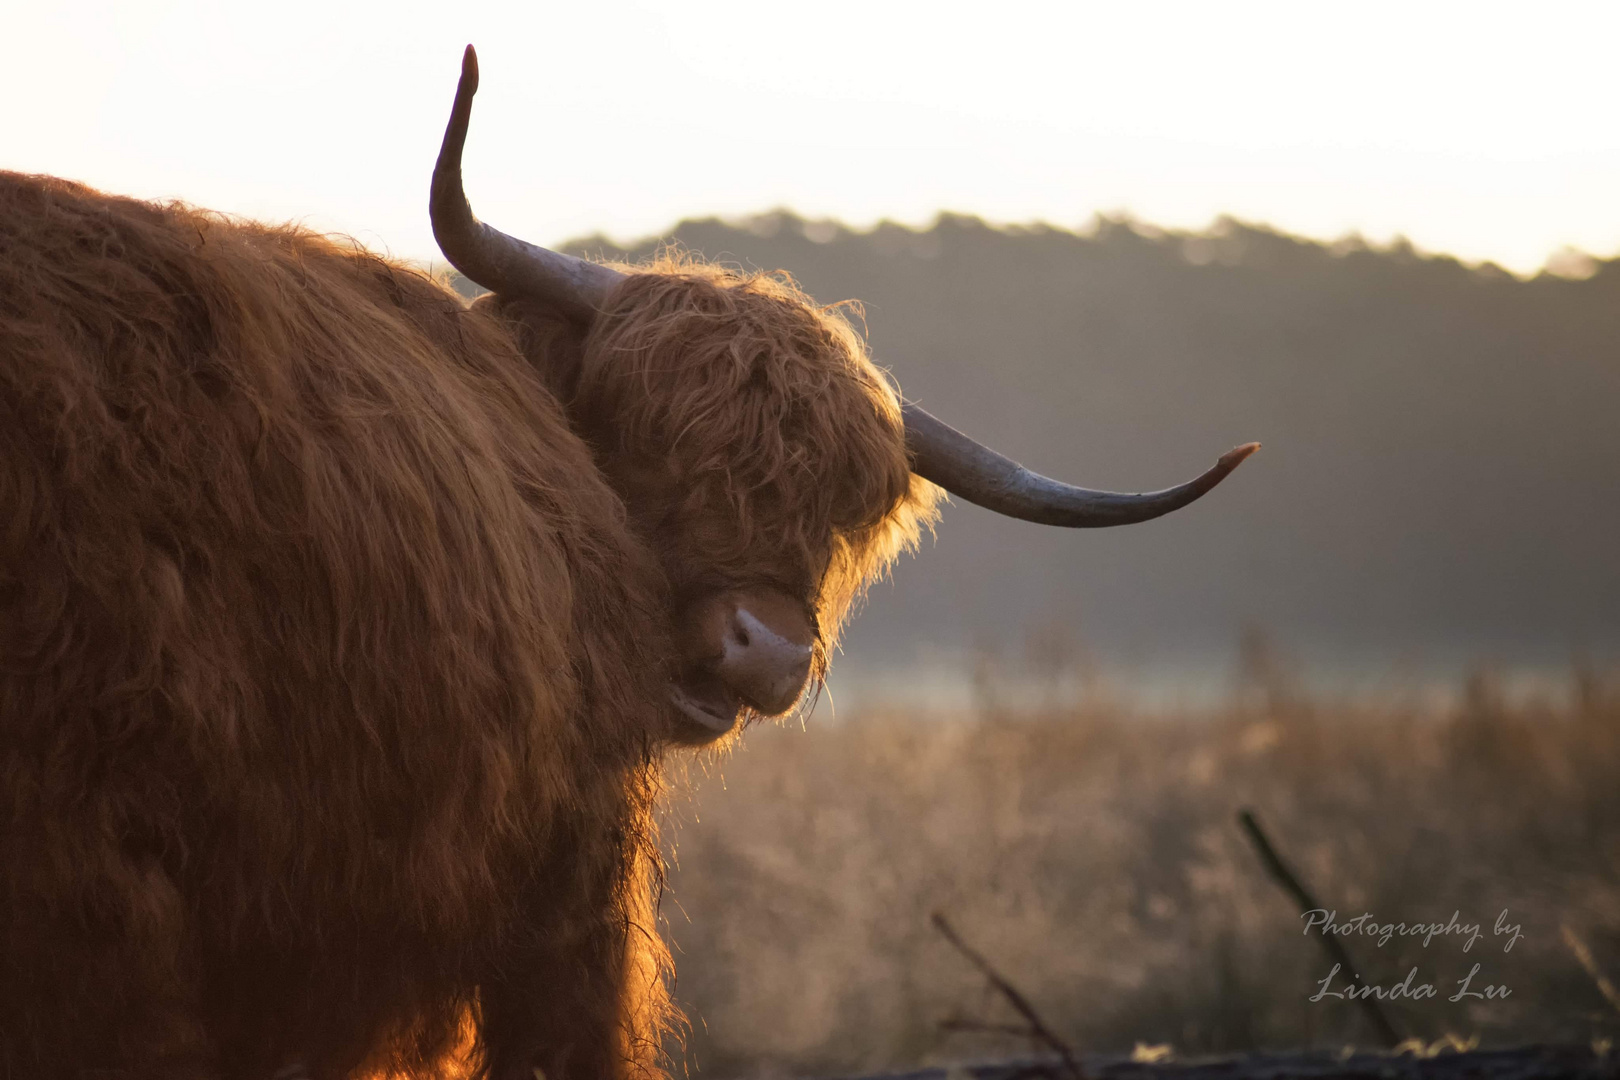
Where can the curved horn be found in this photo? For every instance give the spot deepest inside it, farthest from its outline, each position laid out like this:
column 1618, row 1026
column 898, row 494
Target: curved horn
column 980, row 475
column 488, row 256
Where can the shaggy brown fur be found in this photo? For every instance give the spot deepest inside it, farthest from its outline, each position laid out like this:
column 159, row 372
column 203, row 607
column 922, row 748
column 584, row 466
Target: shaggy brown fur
column 747, row 431
column 332, row 668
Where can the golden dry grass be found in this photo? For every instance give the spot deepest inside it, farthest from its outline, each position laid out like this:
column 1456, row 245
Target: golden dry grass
column 1092, row 855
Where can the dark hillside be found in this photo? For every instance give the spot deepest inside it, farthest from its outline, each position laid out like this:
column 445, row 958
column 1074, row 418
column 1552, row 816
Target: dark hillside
column 1441, row 472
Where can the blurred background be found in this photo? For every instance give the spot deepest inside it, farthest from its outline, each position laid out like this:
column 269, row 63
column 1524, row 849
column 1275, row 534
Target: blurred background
column 1111, row 241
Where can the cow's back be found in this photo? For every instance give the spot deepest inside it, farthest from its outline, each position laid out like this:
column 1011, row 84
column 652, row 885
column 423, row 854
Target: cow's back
column 315, row 631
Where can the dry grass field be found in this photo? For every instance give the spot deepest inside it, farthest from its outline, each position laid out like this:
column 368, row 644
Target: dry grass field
column 1091, row 853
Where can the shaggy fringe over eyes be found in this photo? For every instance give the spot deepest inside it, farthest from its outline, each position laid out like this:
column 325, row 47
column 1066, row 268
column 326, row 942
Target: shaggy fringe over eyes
column 773, row 418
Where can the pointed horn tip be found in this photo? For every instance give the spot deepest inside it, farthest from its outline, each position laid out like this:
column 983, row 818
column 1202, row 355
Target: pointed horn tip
column 1236, row 456
column 469, row 69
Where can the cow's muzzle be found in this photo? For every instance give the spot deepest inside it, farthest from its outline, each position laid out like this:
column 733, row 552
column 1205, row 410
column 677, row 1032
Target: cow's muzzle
column 742, row 649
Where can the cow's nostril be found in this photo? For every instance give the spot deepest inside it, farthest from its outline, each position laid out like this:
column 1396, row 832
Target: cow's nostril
column 762, row 665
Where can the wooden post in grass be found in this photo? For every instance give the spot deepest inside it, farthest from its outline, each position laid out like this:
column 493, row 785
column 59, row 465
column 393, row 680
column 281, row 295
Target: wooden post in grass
column 1289, row 882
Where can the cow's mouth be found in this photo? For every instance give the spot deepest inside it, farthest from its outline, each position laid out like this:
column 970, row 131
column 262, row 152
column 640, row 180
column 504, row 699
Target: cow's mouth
column 709, row 707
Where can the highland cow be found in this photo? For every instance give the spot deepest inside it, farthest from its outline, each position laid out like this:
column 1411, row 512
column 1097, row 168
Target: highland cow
column 344, row 625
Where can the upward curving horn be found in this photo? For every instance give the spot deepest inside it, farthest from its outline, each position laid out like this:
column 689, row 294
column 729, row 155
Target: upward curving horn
column 940, row 453
column 502, row 263
column 978, row 474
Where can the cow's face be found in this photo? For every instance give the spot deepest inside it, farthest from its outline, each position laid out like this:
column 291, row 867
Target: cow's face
column 762, row 456
column 758, row 451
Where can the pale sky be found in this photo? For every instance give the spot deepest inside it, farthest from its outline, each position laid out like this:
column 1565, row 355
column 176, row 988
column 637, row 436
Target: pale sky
column 1491, row 132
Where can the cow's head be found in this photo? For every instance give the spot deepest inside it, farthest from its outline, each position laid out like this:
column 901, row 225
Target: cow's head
column 758, row 450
